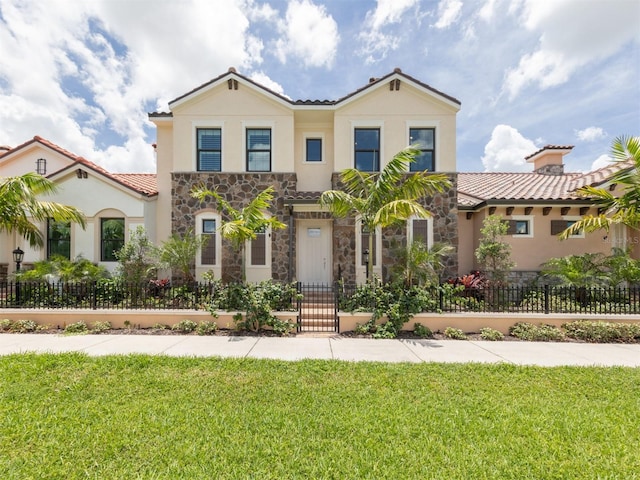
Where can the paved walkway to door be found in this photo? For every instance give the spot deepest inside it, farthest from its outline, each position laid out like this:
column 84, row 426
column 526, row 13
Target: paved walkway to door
column 331, row 347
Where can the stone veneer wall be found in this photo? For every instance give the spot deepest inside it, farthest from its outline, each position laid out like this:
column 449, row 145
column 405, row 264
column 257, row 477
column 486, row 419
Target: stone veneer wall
column 238, row 189
column 444, row 208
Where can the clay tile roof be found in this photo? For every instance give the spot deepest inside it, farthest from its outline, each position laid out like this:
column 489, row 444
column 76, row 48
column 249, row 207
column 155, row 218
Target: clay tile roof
column 480, row 187
column 143, row 183
column 601, row 175
column 549, row 147
column 303, row 197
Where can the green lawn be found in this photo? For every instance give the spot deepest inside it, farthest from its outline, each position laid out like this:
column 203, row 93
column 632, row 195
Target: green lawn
column 71, row 416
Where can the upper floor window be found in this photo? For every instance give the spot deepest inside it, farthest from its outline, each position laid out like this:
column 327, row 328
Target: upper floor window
column 111, row 238
column 559, row 226
column 367, row 149
column 58, row 239
column 41, row 166
column 208, row 252
column 209, row 149
column 314, row 150
column 258, row 149
column 424, row 139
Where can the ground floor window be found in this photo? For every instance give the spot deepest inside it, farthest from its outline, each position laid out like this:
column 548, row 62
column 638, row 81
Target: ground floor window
column 111, row 238
column 58, row 239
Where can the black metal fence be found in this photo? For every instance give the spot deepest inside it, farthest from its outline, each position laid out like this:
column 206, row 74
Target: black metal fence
column 105, row 295
column 544, row 299
column 199, row 296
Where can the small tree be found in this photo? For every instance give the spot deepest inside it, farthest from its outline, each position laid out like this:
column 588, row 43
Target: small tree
column 494, row 255
column 418, row 264
column 242, row 225
column 582, row 271
column 137, row 258
column 179, row 253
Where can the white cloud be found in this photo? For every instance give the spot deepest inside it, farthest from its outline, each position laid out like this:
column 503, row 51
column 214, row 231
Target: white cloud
column 591, row 134
column 601, row 161
column 376, row 43
column 309, row 35
column 264, row 80
column 448, row 13
column 506, row 150
column 572, row 33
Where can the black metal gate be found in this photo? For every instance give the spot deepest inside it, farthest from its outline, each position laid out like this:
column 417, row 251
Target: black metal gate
column 318, row 310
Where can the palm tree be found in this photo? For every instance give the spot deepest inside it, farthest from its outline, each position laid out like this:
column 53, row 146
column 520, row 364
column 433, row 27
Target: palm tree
column 623, row 209
column 243, row 225
column 416, row 263
column 384, row 199
column 21, row 207
column 179, row 252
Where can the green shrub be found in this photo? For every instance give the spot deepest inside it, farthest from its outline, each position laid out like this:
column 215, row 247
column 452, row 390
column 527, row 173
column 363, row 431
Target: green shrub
column 386, row 330
column 5, row 325
column 206, row 327
column 185, row 326
column 536, row 333
column 364, row 328
column 602, row 332
column 491, row 334
column 422, row 331
column 24, row 326
column 454, row 333
column 76, row 327
column 159, row 326
column 100, row 327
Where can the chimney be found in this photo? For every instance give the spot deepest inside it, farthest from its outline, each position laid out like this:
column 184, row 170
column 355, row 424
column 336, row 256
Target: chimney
column 548, row 160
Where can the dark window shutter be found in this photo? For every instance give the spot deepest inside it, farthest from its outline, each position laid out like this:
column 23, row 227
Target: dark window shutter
column 511, row 229
column 558, row 226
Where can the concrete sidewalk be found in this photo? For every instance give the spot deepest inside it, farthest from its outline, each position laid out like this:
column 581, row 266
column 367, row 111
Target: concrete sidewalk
column 333, row 347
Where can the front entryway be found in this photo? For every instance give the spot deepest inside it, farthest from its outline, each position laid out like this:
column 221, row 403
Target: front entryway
column 314, row 251
column 318, row 310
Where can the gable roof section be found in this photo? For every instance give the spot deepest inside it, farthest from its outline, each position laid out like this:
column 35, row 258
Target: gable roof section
column 232, row 75
column 143, row 184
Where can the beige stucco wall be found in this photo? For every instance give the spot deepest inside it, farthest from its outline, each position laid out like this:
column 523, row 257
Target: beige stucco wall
column 530, row 252
column 233, row 111
column 395, row 112
column 25, row 161
column 473, row 322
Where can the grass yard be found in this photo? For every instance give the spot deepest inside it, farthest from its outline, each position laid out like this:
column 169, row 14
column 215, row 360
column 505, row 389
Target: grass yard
column 71, row 416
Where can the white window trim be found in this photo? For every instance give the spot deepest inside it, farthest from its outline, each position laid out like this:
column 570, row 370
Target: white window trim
column 267, row 252
column 435, row 124
column 217, row 267
column 429, row 230
column 361, row 270
column 573, row 218
column 258, row 124
column 528, row 218
column 367, row 124
column 312, row 135
column 195, row 125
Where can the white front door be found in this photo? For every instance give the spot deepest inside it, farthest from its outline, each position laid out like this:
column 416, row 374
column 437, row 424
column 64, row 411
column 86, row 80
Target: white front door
column 314, row 251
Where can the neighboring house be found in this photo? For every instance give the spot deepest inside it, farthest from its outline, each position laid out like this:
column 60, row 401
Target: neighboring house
column 538, row 206
column 114, row 204
column 237, row 137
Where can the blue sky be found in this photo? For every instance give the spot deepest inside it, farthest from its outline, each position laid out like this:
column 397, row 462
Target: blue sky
column 85, row 73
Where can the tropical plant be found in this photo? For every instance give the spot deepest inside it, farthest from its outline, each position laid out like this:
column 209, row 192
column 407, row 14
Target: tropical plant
column 21, row 207
column 385, row 198
column 178, row 253
column 59, row 268
column 615, row 208
column 137, row 259
column 622, row 268
column 492, row 253
column 586, row 270
column 419, row 264
column 242, row 225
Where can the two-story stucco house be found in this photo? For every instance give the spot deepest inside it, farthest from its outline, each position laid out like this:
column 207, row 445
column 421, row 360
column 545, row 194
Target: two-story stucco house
column 238, row 137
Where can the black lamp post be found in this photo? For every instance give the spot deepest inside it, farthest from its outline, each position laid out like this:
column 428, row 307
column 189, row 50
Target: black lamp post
column 366, row 263
column 18, row 256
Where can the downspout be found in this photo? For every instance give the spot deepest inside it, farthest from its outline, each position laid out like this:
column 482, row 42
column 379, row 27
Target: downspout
column 290, row 276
